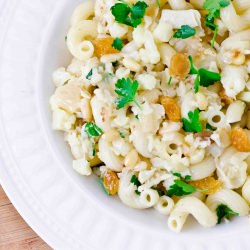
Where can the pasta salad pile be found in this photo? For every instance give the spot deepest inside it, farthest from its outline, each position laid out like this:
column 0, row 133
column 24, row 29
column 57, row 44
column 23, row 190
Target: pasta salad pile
column 156, row 103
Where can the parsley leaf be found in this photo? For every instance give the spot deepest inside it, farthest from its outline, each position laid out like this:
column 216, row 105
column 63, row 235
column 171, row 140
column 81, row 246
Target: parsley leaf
column 122, row 134
column 187, row 177
column 209, row 127
column 127, row 90
column 204, row 77
column 93, row 150
column 158, row 3
column 224, row 211
column 208, row 78
column 134, row 180
column 193, row 70
column 89, row 74
column 117, row 44
column 129, row 15
column 92, row 130
column 185, row 32
column 170, row 80
column 115, row 63
column 214, row 7
column 180, row 188
column 193, row 124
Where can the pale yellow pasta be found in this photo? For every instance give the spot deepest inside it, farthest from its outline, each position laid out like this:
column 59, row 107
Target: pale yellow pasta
column 235, row 111
column 166, row 53
column 180, row 17
column 241, row 5
column 163, row 32
column 107, row 155
column 232, row 20
column 83, row 12
column 203, row 169
column 164, row 205
column 193, row 206
column 77, row 42
column 246, row 190
column 179, row 4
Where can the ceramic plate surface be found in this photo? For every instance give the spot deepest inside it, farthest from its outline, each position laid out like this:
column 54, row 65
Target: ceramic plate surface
column 66, row 210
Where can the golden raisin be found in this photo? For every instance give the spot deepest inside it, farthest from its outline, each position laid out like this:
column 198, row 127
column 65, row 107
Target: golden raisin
column 172, row 109
column 224, row 98
column 111, row 182
column 179, row 65
column 240, row 140
column 103, row 46
column 209, row 184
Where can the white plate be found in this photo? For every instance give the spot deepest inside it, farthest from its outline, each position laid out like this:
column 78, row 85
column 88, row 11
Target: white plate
column 66, row 210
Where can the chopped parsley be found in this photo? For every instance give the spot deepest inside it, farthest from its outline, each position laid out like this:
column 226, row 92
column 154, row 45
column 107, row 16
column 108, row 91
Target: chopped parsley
column 130, row 15
column 117, row 44
column 214, row 7
column 187, row 177
column 159, row 191
column 93, row 150
column 134, row 180
column 66, row 38
column 115, row 63
column 180, row 188
column 127, row 90
column 92, row 130
column 193, row 124
column 209, row 127
column 158, row 3
column 122, row 134
column 88, row 76
column 185, row 32
column 170, row 80
column 204, row 77
column 224, row 211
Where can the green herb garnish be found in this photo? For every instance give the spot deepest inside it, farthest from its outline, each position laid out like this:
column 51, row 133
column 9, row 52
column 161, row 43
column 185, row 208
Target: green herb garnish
column 158, row 3
column 128, row 14
column 88, row 76
column 224, row 211
column 127, row 90
column 117, row 44
column 115, row 63
column 134, row 180
column 159, row 191
column 122, row 134
column 185, row 32
column 204, row 77
column 170, row 80
column 193, row 124
column 180, row 188
column 187, row 177
column 209, row 127
column 92, row 130
column 93, row 150
column 214, row 7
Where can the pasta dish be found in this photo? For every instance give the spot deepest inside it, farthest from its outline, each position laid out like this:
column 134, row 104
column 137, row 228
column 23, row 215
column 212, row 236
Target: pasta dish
column 156, row 103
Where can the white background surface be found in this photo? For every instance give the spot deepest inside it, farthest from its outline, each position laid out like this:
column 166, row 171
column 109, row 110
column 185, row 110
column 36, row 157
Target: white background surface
column 68, row 211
